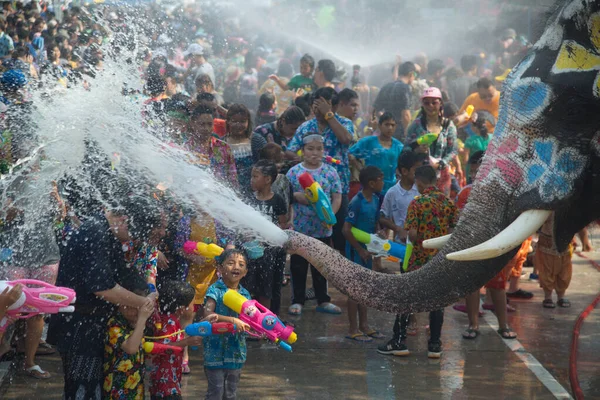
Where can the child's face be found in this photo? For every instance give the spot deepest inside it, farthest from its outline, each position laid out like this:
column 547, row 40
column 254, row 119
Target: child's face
column 259, row 181
column 409, row 174
column 313, row 152
column 305, row 69
column 202, row 126
column 238, row 125
column 130, row 314
column 388, row 128
column 233, row 269
column 377, row 185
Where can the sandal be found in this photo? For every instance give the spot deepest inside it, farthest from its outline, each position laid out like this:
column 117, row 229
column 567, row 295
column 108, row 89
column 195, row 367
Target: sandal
column 375, row 334
column 185, row 368
column 548, row 303
column 470, row 333
column 564, row 303
column 329, row 308
column 295, row 309
column 520, row 294
column 44, row 349
column 37, row 373
column 359, row 337
column 507, row 333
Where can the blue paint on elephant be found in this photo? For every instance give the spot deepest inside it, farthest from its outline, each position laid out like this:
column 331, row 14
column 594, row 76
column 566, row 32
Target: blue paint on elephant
column 530, row 99
column 534, row 173
column 569, row 163
column 544, row 151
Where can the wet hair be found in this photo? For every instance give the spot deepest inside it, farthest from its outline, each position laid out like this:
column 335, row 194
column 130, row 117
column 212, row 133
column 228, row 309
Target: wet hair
column 144, row 214
column 285, row 69
column 292, row 115
column 272, row 152
column 231, row 252
column 265, row 102
column 484, row 83
column 267, row 168
column 468, row 62
column 426, row 174
column 407, row 68
column 476, row 158
column 202, row 80
column 239, row 109
column 173, row 295
column 326, row 93
column 20, row 52
column 450, row 109
column 368, row 174
column 133, row 282
column 201, row 110
column 303, row 102
column 346, row 95
column 327, row 67
column 308, row 59
column 386, row 116
column 155, row 85
column 407, row 160
column 435, row 66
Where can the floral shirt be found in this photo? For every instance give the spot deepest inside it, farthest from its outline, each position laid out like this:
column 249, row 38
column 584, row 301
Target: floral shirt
column 444, row 148
column 264, row 134
column 333, row 147
column 146, row 261
column 123, row 373
column 432, row 215
column 306, row 220
column 227, row 351
column 219, row 158
column 166, row 369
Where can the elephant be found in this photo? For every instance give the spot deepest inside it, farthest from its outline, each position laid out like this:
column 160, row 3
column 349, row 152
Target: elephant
column 543, row 158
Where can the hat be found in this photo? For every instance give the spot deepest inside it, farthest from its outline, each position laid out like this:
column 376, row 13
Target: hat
column 432, row 92
column 502, row 78
column 194, row 49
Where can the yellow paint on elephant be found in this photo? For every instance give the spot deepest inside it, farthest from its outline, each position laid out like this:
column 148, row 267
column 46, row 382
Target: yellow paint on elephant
column 594, row 29
column 574, row 57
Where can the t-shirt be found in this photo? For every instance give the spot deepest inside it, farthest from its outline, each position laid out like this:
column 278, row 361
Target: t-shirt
column 272, row 208
column 333, row 147
column 363, row 215
column 6, row 44
column 477, row 143
column 242, row 153
column 374, row 154
column 394, row 97
column 301, row 82
column 306, row 220
column 492, row 107
column 264, row 134
column 227, row 351
column 123, row 372
column 166, row 369
column 396, row 201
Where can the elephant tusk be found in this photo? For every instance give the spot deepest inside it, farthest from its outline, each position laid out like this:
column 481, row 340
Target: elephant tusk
column 436, row 243
column 511, row 237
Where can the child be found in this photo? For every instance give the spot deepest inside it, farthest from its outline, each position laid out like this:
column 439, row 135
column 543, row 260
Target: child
column 381, row 151
column 307, row 222
column 166, row 369
column 225, row 355
column 266, row 273
column 266, row 109
column 554, row 268
column 363, row 213
column 429, row 215
column 123, row 355
column 303, row 80
column 282, row 186
column 393, row 215
column 239, row 129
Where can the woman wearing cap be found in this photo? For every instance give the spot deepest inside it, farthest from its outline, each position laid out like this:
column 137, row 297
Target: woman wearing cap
column 431, row 120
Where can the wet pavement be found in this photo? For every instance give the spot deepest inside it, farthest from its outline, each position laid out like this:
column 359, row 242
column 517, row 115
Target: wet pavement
column 325, row 365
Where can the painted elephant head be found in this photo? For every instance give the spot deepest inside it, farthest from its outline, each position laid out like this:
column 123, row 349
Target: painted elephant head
column 544, row 157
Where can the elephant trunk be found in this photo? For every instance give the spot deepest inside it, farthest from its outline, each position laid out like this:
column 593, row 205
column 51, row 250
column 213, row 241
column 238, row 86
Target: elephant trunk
column 436, row 285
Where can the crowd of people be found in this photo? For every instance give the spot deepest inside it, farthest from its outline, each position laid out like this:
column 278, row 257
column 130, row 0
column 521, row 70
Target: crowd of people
column 396, row 161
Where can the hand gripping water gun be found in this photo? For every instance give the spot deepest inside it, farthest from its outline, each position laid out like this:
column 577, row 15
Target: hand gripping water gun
column 44, row 299
column 380, row 247
column 205, row 328
column 261, row 319
column 316, row 196
column 159, row 348
column 427, row 139
column 208, row 251
column 469, row 110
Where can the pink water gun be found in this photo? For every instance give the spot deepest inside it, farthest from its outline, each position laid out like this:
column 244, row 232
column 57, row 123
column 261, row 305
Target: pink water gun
column 43, row 299
column 261, row 319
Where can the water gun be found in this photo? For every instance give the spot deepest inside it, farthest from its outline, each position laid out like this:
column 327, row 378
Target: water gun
column 427, row 139
column 380, row 247
column 159, row 348
column 205, row 328
column 328, row 159
column 208, row 251
column 409, row 250
column 469, row 110
column 316, row 196
column 43, row 299
column 261, row 319
column 155, row 316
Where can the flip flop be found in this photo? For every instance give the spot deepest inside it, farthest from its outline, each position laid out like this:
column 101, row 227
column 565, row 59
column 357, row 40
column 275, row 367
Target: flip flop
column 356, row 336
column 548, row 303
column 295, row 309
column 185, row 368
column 470, row 334
column 375, row 334
column 505, row 333
column 37, row 372
column 564, row 303
column 330, row 308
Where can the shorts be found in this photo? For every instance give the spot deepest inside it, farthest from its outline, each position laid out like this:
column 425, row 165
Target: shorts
column 45, row 273
column 498, row 282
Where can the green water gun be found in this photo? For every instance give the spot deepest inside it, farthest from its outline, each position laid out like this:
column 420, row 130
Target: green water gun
column 427, row 139
column 407, row 254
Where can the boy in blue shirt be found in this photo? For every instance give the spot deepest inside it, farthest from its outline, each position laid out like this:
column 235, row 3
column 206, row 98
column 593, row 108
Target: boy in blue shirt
column 225, row 355
column 363, row 214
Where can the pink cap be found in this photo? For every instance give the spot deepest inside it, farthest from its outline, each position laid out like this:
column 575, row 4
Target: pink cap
column 432, row 92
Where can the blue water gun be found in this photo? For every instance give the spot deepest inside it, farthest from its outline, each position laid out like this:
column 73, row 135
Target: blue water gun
column 317, row 198
column 380, row 247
